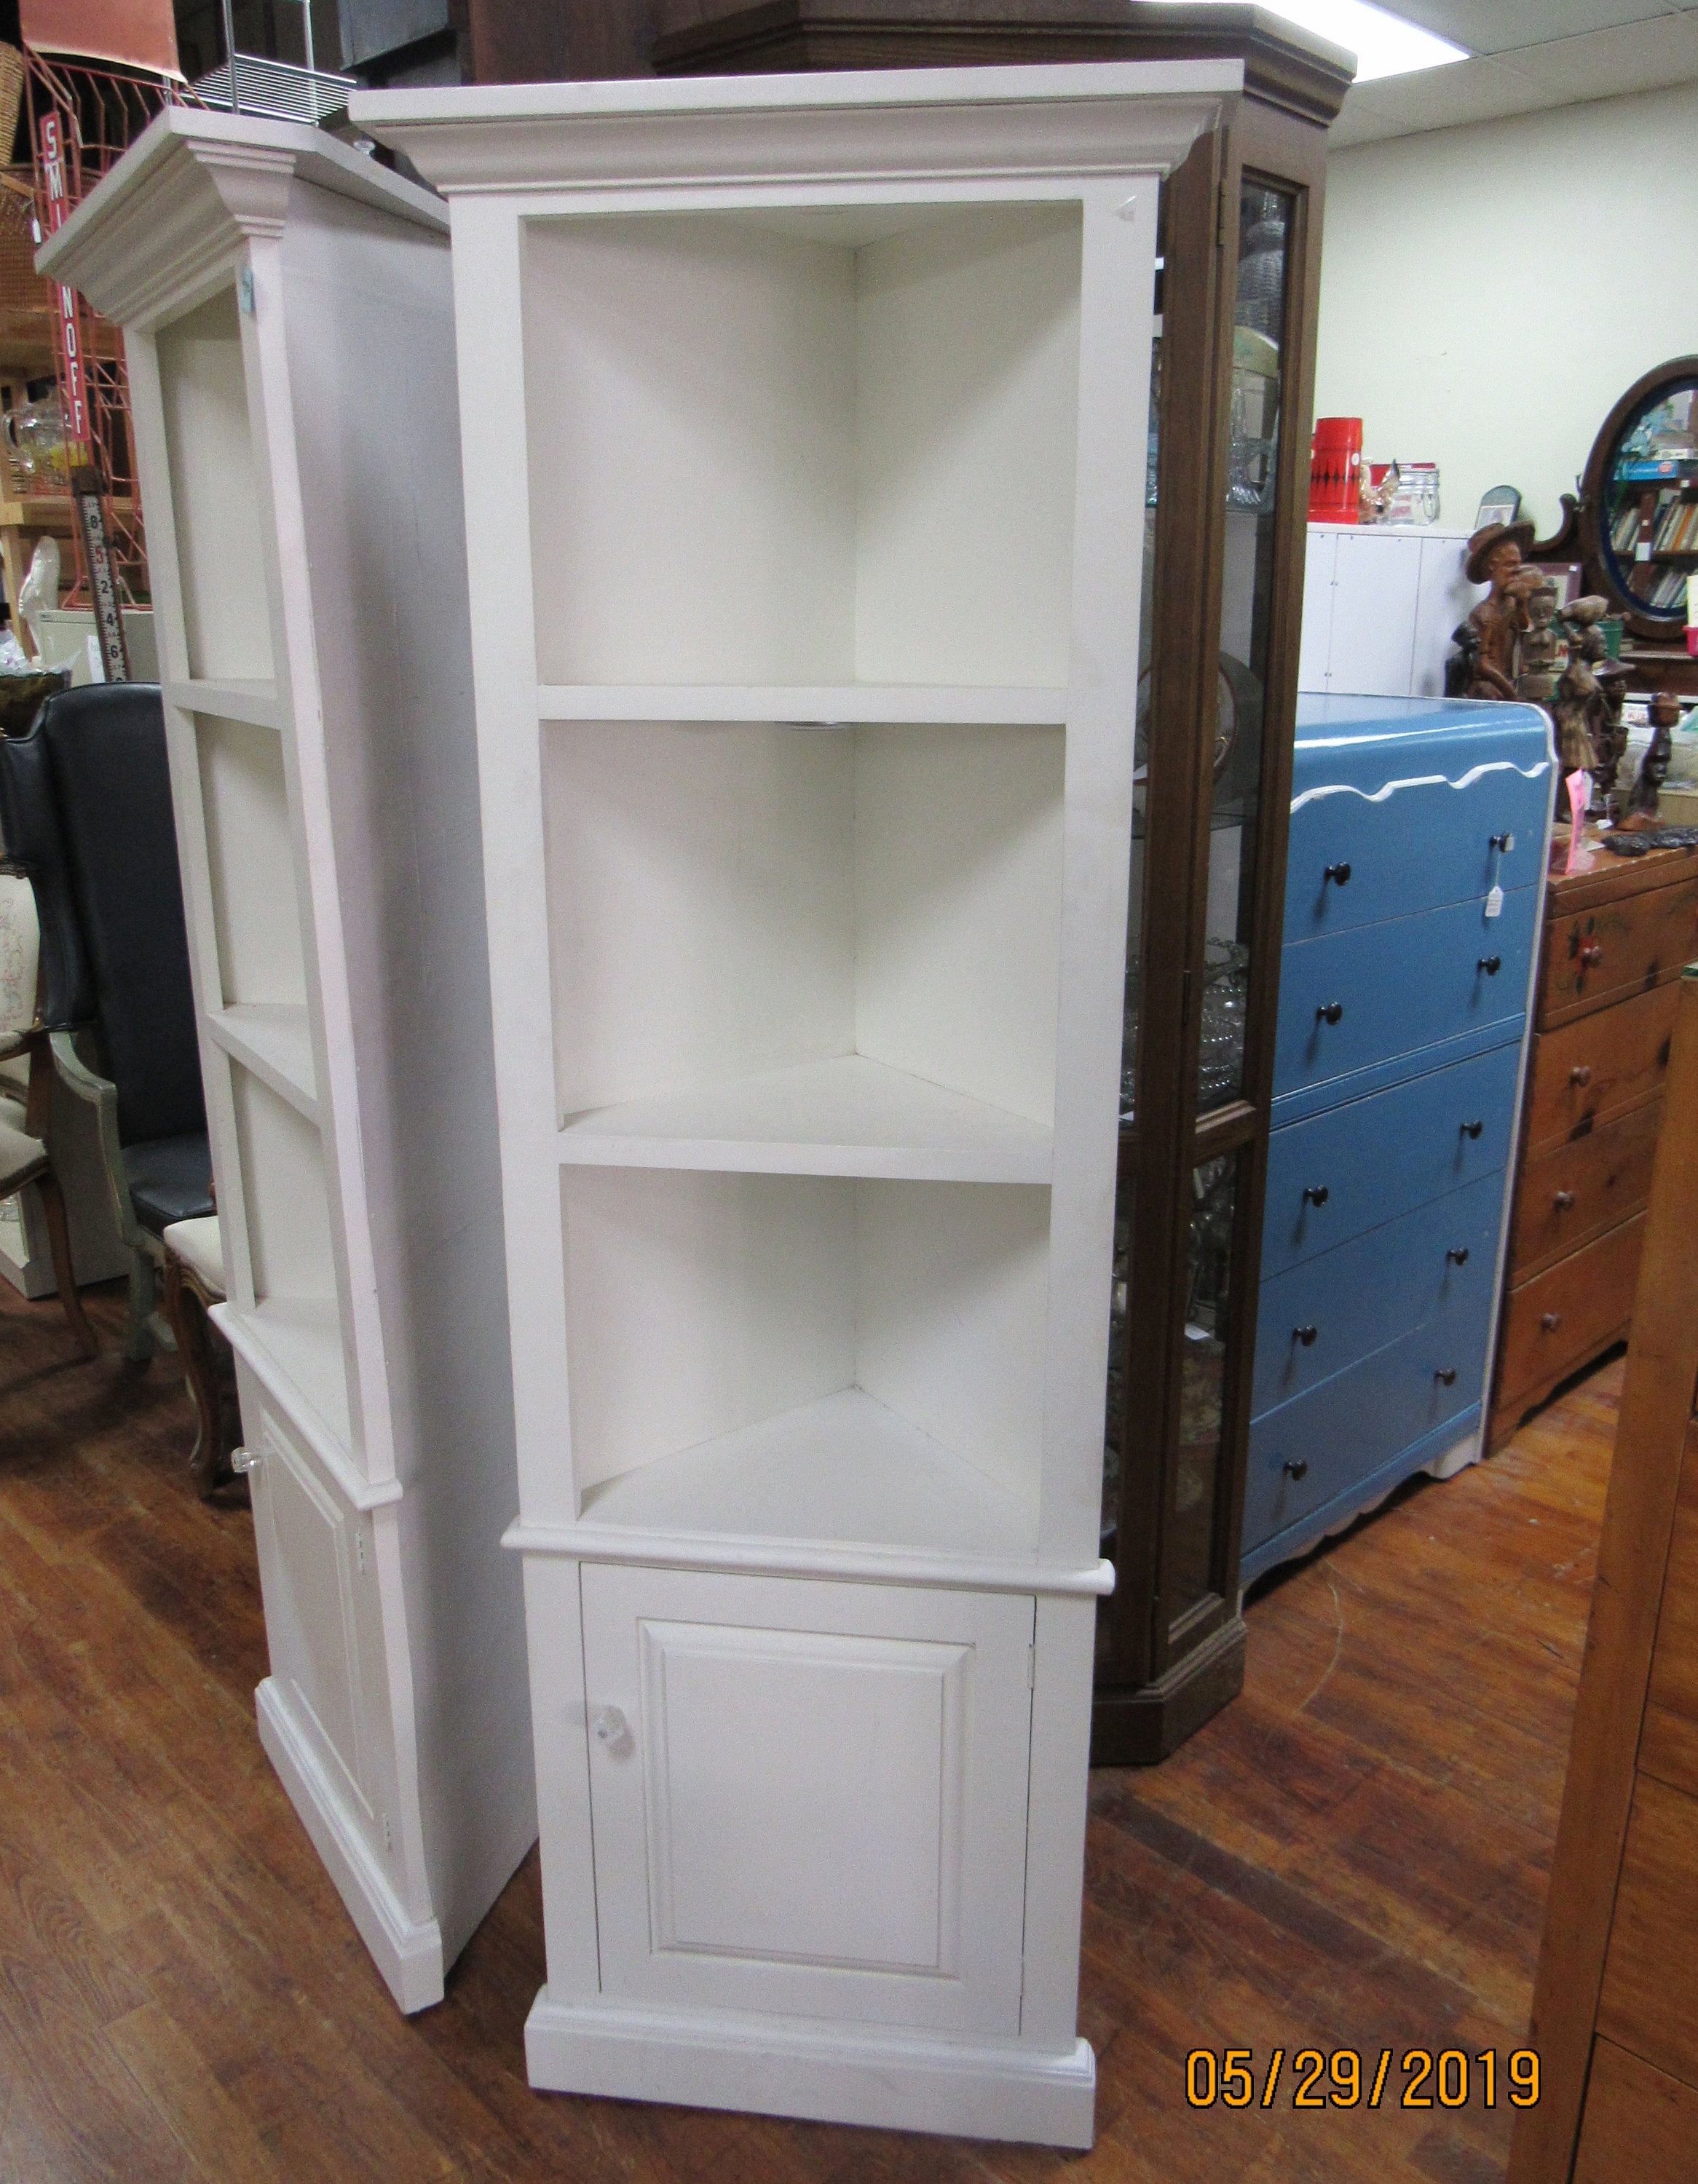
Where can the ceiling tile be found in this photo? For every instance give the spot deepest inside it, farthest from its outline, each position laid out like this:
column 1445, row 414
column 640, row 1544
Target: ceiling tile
column 1500, row 26
column 1603, row 64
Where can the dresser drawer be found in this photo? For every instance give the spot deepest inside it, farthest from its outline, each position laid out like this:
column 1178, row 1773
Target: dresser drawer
column 1318, row 1445
column 1555, row 1321
column 1598, row 1067
column 1369, row 1161
column 1576, row 1191
column 1598, row 955
column 1357, row 860
column 1361, row 997
column 1319, row 1318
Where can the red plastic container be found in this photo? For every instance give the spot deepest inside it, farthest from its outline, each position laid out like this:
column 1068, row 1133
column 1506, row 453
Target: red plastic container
column 1335, row 471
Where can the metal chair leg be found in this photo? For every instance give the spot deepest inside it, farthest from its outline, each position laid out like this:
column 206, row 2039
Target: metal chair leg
column 58, row 1247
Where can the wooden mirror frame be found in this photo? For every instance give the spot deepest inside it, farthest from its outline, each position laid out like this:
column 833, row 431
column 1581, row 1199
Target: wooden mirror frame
column 1580, row 535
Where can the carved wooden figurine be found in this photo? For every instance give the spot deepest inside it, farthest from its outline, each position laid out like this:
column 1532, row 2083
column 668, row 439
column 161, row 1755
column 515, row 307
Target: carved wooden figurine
column 1499, row 621
column 1665, row 715
column 1610, row 736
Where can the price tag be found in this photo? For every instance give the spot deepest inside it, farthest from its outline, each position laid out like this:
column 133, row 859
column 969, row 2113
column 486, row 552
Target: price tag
column 1494, row 903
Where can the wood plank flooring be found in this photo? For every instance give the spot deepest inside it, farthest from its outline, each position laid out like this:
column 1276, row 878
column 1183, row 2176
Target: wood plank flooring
column 1355, row 1854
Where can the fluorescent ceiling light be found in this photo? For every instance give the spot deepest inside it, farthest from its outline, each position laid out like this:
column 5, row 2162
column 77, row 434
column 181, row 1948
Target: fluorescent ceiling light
column 1384, row 44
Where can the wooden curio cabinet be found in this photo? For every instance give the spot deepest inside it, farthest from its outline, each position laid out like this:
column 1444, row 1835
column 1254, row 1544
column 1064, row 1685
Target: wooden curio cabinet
column 1227, row 507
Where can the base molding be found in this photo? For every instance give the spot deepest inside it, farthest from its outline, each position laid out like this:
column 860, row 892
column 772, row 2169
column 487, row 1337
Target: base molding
column 896, row 2079
column 1139, row 1725
column 406, row 1952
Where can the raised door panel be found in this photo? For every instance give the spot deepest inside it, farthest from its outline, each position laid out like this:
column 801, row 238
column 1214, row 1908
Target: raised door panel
column 1599, row 1067
column 1368, row 1161
column 1596, row 956
column 808, row 1798
column 1645, row 2003
column 1669, row 1743
column 302, row 1533
column 1638, row 2122
column 1575, row 1192
column 1356, row 999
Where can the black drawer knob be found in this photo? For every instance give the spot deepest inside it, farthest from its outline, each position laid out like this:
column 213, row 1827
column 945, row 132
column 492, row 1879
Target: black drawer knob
column 1458, row 1255
column 1491, row 965
column 1446, row 1376
column 1550, row 1321
column 1305, row 1335
column 1317, row 1194
column 1473, row 1129
column 1338, row 874
column 1563, row 1201
column 1329, row 1012
column 1504, row 842
column 1297, row 1467
column 1580, row 1074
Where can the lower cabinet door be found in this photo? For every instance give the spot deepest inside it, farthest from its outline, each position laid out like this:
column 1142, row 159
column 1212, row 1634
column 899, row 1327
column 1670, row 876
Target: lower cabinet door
column 807, row 1797
column 302, row 1531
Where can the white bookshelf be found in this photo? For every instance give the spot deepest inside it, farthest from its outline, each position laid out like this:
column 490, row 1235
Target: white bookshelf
column 288, row 327
column 803, row 425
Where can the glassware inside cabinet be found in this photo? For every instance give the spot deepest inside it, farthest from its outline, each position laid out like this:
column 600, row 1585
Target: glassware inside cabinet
column 1203, row 1375
column 1265, row 217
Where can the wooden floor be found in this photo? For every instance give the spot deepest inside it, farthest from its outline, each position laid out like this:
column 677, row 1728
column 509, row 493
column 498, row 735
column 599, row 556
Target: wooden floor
column 1353, row 1855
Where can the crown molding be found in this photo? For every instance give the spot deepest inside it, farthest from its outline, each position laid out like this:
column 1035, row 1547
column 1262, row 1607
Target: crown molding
column 191, row 194
column 887, row 125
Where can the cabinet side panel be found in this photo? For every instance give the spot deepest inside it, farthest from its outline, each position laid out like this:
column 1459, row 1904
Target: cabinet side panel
column 370, row 299
column 958, row 906
column 967, row 372
column 951, row 1284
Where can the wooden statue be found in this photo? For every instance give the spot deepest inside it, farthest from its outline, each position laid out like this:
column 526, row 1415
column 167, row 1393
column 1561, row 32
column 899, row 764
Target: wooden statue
column 1580, row 709
column 1501, row 618
column 1665, row 714
column 1543, row 652
column 1610, row 735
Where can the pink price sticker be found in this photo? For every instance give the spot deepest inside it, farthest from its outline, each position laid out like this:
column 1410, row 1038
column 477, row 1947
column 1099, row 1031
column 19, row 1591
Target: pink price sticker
column 1579, row 787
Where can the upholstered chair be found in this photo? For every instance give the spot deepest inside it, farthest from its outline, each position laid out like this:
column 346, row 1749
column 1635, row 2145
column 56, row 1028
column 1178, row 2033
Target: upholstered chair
column 86, row 812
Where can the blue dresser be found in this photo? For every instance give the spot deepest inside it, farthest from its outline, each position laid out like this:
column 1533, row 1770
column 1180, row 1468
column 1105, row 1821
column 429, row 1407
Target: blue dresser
column 1414, row 890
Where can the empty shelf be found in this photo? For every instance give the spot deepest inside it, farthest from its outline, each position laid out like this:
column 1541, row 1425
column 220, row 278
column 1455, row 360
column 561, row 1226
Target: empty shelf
column 844, row 1471
column 847, row 1116
column 275, row 1041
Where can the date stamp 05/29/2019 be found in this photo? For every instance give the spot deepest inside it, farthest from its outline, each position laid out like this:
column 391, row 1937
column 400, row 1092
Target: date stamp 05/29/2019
column 1350, row 2078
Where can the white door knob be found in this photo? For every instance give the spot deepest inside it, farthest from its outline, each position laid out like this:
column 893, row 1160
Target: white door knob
column 244, row 1460
column 608, row 1723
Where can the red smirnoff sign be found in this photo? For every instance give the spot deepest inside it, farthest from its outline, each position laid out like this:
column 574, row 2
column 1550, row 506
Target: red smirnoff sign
column 73, row 377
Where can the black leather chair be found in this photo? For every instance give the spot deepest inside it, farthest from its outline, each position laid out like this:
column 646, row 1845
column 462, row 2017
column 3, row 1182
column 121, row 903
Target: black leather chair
column 85, row 810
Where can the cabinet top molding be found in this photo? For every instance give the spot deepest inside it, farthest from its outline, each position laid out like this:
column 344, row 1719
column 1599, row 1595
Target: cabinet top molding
column 168, row 222
column 889, row 124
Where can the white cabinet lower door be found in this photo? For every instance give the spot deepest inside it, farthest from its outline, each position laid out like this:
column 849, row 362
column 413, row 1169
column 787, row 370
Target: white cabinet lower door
column 809, row 1798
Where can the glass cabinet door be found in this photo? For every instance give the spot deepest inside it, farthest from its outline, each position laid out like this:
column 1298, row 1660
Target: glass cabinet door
column 1222, row 595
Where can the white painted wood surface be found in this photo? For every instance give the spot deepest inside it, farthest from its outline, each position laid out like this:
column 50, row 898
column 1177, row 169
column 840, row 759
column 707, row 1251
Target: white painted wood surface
column 289, row 330
column 803, row 428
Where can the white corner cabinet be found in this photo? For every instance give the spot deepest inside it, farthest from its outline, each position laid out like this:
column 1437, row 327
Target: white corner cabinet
column 1379, row 604
column 805, row 433
column 287, row 317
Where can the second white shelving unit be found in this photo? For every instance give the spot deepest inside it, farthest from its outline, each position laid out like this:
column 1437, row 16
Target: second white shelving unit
column 804, row 425
column 287, row 316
